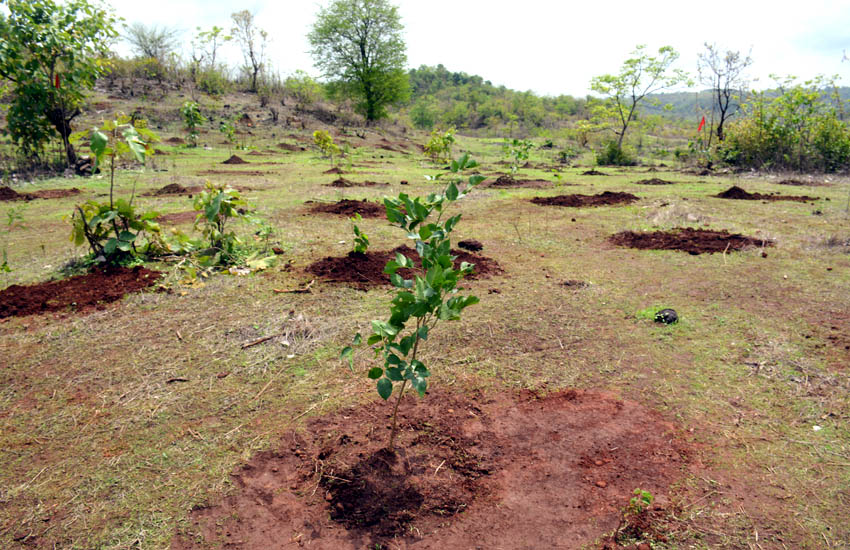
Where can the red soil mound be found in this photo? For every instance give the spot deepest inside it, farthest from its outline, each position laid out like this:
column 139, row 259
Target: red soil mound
column 367, row 270
column 654, row 181
column 349, row 208
column 482, row 471
column 81, row 292
column 235, row 160
column 342, row 182
column 608, row 197
column 737, row 193
column 693, row 241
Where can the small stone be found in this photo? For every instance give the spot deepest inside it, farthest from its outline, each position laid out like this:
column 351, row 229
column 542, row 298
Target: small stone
column 328, row 496
column 601, row 484
column 599, row 463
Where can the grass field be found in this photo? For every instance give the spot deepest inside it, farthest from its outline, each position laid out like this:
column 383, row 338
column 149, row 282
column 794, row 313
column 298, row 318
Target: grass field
column 115, row 423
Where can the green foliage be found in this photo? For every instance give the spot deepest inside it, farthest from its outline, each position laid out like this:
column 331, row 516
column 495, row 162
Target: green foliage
column 429, row 296
column 361, row 241
column 641, row 75
column 798, row 129
column 14, row 219
column 640, row 502
column 112, row 229
column 228, row 128
column 217, row 205
column 425, row 113
column 304, row 88
column 517, row 152
column 212, row 81
column 359, row 43
column 192, row 118
column 439, row 146
column 613, row 154
column 326, row 145
column 42, row 41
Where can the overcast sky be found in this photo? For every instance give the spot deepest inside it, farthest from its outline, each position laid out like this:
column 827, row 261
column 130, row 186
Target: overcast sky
column 551, row 47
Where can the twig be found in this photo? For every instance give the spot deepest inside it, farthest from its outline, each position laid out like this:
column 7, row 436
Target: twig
column 438, row 468
column 179, row 336
column 304, row 290
column 259, row 341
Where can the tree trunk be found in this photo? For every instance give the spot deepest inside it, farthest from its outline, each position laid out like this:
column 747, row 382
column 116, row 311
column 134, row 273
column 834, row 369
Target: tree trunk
column 62, row 123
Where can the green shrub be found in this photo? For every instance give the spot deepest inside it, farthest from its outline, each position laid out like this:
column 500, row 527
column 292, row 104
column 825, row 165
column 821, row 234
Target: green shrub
column 612, row 154
column 439, row 146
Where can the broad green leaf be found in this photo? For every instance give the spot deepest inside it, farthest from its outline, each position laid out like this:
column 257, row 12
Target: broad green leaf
column 109, row 247
column 420, row 385
column 395, row 374
column 98, row 145
column 127, row 236
column 452, row 192
column 385, row 388
column 375, row 373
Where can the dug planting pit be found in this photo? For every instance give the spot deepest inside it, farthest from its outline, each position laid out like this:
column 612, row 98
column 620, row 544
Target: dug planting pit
column 737, row 193
column 506, row 182
column 79, row 293
column 654, row 181
column 9, row 194
column 349, row 208
column 504, row 470
column 342, row 182
column 366, row 270
column 578, row 201
column 693, row 241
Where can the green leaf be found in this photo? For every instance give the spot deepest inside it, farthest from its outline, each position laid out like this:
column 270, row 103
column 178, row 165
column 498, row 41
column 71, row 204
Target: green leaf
column 451, row 192
column 357, row 340
column 420, row 385
column 214, row 207
column 385, row 388
column 395, row 374
column 127, row 236
column 398, row 281
column 109, row 247
column 393, row 359
column 423, row 332
column 98, row 145
column 375, row 373
column 374, row 339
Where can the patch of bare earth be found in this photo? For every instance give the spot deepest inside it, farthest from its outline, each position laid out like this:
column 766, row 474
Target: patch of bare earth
column 342, row 182
column 737, row 193
column 693, row 241
column 78, row 293
column 9, row 194
column 654, row 181
column 470, row 471
column 506, row 181
column 576, row 201
column 365, row 270
column 349, row 208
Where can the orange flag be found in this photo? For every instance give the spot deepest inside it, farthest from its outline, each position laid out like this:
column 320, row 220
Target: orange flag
column 56, row 81
column 701, row 123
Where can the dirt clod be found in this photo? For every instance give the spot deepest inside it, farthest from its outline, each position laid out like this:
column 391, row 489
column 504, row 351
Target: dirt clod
column 654, row 181
column 471, row 244
column 234, row 159
column 349, row 208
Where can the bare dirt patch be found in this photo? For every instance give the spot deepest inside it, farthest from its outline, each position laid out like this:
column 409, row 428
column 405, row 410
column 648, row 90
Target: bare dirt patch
column 349, row 208
column 506, row 181
column 471, row 244
column 801, row 183
column 577, row 201
column 234, row 159
column 342, row 182
column 654, row 181
column 78, row 293
column 738, row 193
column 593, row 173
column 290, row 147
column 367, row 270
column 334, row 170
column 251, row 173
column 172, row 189
column 9, row 194
column 175, row 140
column 693, row 241
column 480, row 471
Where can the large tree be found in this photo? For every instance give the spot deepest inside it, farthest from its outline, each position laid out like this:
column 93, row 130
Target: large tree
column 724, row 72
column 359, row 43
column 641, row 75
column 52, row 53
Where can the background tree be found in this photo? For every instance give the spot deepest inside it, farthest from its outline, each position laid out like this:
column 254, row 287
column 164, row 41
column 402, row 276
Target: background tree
column 49, row 81
column 252, row 40
column 359, row 43
column 152, row 42
column 723, row 72
column 640, row 75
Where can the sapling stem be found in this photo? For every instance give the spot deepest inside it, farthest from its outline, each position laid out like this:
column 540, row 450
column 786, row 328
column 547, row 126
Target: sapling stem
column 403, row 386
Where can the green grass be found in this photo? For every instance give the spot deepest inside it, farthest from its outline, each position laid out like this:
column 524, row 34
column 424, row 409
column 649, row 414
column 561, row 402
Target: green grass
column 96, row 439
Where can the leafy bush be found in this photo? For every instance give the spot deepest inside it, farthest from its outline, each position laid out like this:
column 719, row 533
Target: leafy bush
column 517, row 152
column 326, row 145
column 303, row 88
column 612, row 154
column 361, row 241
column 217, row 205
column 439, row 147
column 112, row 229
column 213, row 82
column 425, row 299
column 799, row 129
column 192, row 118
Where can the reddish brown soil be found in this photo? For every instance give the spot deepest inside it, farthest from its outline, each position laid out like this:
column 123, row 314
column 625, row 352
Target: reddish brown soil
column 349, row 208
column 506, row 181
column 606, row 198
column 251, row 173
column 79, row 293
column 334, row 170
column 290, row 147
column 471, row 244
column 176, row 218
column 593, row 173
column 367, row 270
column 737, row 193
column 654, row 181
column 175, row 140
column 504, row 471
column 9, row 194
column 235, row 160
column 160, row 152
column 693, row 241
column 172, row 189
column 342, row 182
